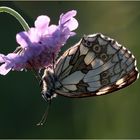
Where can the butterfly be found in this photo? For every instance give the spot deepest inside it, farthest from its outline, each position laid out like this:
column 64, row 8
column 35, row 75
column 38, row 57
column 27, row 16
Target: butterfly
column 96, row 65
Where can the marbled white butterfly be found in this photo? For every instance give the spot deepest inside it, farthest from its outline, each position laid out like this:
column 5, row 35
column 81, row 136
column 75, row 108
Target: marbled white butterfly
column 96, row 65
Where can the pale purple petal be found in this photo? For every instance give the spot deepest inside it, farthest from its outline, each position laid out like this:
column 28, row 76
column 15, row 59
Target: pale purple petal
column 65, row 35
column 72, row 24
column 67, row 16
column 72, row 33
column 52, row 29
column 42, row 23
column 3, row 69
column 11, row 56
column 34, row 35
column 12, row 61
column 1, row 58
column 23, row 39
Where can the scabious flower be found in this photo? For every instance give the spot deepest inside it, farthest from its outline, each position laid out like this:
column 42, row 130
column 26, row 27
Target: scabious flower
column 40, row 44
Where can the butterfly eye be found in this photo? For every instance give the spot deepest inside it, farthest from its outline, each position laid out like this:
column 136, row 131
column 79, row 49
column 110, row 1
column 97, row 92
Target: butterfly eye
column 103, row 56
column 96, row 48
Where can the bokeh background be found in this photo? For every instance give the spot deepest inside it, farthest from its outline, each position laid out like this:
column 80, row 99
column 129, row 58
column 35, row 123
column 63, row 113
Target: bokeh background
column 115, row 115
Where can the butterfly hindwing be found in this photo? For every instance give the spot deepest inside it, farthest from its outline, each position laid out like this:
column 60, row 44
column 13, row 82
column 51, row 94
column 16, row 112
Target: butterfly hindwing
column 96, row 65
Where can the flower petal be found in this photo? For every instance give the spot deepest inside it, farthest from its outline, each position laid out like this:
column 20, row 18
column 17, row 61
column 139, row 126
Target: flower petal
column 72, row 24
column 34, row 35
column 1, row 58
column 22, row 38
column 42, row 23
column 67, row 16
column 3, row 69
column 11, row 56
column 72, row 33
column 52, row 29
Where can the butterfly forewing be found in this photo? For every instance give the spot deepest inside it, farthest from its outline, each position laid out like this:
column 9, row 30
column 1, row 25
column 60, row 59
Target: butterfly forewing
column 96, row 65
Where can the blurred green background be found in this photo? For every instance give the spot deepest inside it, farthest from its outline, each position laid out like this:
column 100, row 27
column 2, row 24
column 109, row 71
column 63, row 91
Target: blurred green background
column 115, row 115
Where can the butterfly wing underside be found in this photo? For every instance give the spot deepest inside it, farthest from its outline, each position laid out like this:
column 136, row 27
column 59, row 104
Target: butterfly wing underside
column 97, row 65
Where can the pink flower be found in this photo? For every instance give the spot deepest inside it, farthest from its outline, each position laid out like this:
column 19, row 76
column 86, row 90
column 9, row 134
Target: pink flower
column 40, row 44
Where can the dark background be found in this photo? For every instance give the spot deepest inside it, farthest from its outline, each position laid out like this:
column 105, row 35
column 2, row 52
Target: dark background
column 115, row 115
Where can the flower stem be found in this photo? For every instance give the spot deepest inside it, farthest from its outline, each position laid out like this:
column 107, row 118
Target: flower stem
column 16, row 15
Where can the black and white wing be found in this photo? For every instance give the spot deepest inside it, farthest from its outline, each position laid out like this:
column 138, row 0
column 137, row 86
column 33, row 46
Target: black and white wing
column 96, row 65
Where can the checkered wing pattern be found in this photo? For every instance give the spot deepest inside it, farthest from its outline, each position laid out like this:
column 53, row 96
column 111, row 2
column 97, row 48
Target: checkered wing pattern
column 97, row 65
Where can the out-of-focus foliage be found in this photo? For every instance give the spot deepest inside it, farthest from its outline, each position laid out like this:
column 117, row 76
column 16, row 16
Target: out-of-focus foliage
column 116, row 115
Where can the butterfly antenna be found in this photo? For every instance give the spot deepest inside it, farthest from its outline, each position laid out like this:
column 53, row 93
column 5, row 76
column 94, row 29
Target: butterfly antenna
column 45, row 115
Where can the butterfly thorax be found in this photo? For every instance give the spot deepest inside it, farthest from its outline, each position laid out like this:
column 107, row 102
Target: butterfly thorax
column 49, row 81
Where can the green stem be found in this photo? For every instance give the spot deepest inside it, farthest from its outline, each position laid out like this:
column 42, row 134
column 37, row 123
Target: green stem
column 16, row 15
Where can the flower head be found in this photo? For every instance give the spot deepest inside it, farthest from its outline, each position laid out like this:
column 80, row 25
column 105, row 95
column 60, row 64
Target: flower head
column 40, row 44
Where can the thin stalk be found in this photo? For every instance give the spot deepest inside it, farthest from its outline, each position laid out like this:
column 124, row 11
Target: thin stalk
column 16, row 15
